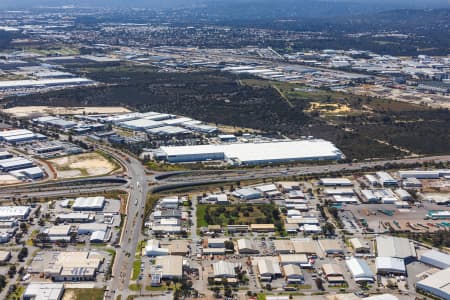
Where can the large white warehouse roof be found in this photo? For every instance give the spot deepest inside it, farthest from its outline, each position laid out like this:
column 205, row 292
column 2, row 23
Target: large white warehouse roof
column 253, row 153
column 437, row 284
column 390, row 246
column 436, row 259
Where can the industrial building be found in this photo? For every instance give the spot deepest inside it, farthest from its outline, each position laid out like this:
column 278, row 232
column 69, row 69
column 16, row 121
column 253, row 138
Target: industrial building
column 390, row 246
column 293, row 274
column 268, row 269
column 224, row 269
column 436, row 259
column 390, row 265
column 89, row 203
column 141, row 124
column 43, row 83
column 385, row 179
column 15, row 163
column 14, row 212
column 437, row 284
column 305, row 246
column 44, row 291
column 359, row 246
column 283, row 246
column 331, row 247
column 152, row 248
column 254, row 153
column 333, row 273
column 360, row 270
column 17, row 135
column 403, row 195
column 75, row 217
column 295, row 259
column 246, row 246
column 247, row 194
column 217, row 242
column 419, row 174
column 335, row 182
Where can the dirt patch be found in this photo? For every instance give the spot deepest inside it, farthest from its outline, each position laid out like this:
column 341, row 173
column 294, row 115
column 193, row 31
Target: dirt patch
column 81, row 165
column 8, row 179
column 29, row 111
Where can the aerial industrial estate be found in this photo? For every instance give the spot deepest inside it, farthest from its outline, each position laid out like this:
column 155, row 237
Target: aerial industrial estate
column 196, row 153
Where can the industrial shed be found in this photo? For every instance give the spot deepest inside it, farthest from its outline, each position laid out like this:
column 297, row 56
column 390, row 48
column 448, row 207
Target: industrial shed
column 171, row 266
column 44, row 291
column 389, row 246
column 360, row 270
column 255, row 153
column 293, row 274
column 268, row 269
column 331, row 247
column 294, row 259
column 223, row 269
column 437, row 284
column 359, row 246
column 308, row 247
column 335, row 182
column 333, row 273
column 283, row 246
column 89, row 203
column 436, row 259
column 246, row 246
column 390, row 265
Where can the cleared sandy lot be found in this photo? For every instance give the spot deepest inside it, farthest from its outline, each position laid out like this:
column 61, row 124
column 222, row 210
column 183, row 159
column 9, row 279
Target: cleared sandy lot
column 27, row 111
column 82, row 165
column 8, row 179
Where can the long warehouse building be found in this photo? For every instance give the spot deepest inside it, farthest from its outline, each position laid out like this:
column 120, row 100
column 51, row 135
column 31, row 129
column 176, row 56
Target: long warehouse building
column 254, row 153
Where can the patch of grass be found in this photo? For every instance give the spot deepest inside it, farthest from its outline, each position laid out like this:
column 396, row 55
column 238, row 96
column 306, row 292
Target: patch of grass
column 86, row 294
column 163, row 167
column 135, row 287
column 18, row 292
column 261, row 296
column 136, row 269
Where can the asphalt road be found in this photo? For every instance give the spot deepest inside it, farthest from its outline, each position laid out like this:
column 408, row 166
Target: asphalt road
column 123, row 263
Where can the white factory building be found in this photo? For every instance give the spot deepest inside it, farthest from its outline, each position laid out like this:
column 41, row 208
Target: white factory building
column 44, row 291
column 254, row 153
column 15, row 163
column 14, row 212
column 89, row 203
column 17, row 135
column 390, row 246
column 360, row 270
column 390, row 265
column 436, row 259
column 437, row 284
column 385, row 179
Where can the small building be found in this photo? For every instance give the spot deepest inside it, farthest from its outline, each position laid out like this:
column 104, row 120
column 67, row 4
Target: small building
column 266, row 188
column 44, row 291
column 246, row 246
column 331, row 247
column 436, row 284
column 419, row 174
column 359, row 246
column 268, row 269
column 169, row 202
column 262, row 227
column 218, row 198
column 390, row 265
column 359, row 269
column 171, row 266
column 436, row 259
column 75, row 217
column 372, row 180
column 293, row 274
